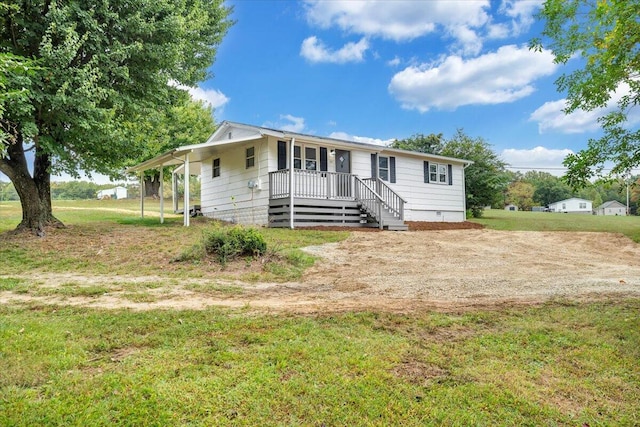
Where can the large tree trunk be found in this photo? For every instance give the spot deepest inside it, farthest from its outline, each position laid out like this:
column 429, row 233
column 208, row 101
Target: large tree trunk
column 152, row 185
column 34, row 192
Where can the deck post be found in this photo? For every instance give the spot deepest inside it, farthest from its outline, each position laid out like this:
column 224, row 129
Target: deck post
column 291, row 183
column 141, row 194
column 187, row 175
column 161, row 195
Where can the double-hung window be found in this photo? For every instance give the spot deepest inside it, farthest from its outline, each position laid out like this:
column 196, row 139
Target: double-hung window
column 383, row 168
column 310, row 162
column 250, row 158
column 437, row 173
column 310, row 159
column 216, row 168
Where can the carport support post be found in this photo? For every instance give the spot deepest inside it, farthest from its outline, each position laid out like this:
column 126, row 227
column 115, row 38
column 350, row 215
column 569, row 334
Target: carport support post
column 141, row 194
column 161, row 195
column 174, row 191
column 187, row 175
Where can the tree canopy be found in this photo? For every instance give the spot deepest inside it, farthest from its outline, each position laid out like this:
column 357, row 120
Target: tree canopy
column 100, row 65
column 185, row 122
column 485, row 180
column 421, row 143
column 606, row 36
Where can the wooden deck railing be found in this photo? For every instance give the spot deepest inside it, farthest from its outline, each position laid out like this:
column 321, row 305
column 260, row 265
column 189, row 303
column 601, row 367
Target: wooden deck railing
column 311, row 184
column 373, row 193
column 392, row 200
column 369, row 199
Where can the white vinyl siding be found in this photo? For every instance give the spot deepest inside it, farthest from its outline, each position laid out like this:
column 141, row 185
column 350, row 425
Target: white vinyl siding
column 226, row 196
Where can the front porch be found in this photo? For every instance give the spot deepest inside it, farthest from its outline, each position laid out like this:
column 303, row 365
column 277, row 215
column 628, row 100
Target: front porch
column 332, row 198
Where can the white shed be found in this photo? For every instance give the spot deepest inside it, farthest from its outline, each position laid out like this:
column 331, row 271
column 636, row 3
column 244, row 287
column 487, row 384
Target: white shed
column 572, row 205
column 612, row 207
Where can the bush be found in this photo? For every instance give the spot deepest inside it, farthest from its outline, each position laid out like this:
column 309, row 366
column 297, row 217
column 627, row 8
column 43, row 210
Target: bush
column 229, row 243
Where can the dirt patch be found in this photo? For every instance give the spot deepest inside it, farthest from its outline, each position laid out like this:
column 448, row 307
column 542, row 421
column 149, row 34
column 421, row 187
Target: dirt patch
column 390, row 271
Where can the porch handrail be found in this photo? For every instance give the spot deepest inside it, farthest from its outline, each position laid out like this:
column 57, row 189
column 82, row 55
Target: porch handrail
column 311, row 184
column 369, row 199
column 392, row 200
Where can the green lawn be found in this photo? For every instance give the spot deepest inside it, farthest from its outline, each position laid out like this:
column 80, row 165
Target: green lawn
column 559, row 364
column 549, row 221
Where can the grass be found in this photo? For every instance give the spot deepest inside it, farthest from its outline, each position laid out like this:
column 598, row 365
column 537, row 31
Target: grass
column 561, row 363
column 108, row 237
column 548, row 221
column 558, row 364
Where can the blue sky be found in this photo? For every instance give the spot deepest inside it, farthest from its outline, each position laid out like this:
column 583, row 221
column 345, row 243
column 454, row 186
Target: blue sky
column 374, row 71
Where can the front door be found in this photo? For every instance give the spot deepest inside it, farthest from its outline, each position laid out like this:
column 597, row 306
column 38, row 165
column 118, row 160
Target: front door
column 343, row 166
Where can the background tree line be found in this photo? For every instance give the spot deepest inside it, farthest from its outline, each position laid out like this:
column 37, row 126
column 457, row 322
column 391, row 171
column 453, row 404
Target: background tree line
column 489, row 183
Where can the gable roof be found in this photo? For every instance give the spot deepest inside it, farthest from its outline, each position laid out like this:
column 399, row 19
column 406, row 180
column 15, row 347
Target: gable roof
column 611, row 204
column 571, row 198
column 252, row 132
column 285, row 134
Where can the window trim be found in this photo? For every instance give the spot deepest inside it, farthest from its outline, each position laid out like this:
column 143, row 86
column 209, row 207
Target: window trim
column 215, row 168
column 319, row 157
column 383, row 169
column 307, row 160
column 250, row 157
column 437, row 173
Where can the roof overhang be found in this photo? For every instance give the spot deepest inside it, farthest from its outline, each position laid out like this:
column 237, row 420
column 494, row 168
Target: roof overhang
column 197, row 153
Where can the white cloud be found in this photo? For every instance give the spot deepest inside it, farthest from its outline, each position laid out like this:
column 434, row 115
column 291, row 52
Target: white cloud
column 551, row 117
column 538, row 158
column 468, row 23
column 521, row 13
column 288, row 123
column 494, row 78
column 314, row 50
column 363, row 139
column 394, row 62
column 399, row 20
column 212, row 97
column 468, row 42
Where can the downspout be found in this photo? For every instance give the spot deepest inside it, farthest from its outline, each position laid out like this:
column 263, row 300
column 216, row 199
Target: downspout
column 291, row 182
column 464, row 193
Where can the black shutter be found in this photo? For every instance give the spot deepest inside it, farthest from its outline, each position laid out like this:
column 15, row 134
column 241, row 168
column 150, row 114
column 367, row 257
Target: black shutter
column 282, row 155
column 425, row 166
column 450, row 169
column 392, row 169
column 323, row 159
column 374, row 165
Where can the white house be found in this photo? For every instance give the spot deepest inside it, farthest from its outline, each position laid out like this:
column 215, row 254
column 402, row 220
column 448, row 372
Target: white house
column 245, row 178
column 511, row 207
column 113, row 193
column 612, row 207
column 572, row 205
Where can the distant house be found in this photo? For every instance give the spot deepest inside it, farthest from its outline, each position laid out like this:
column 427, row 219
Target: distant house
column 511, row 208
column 572, row 205
column 112, row 193
column 612, row 207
